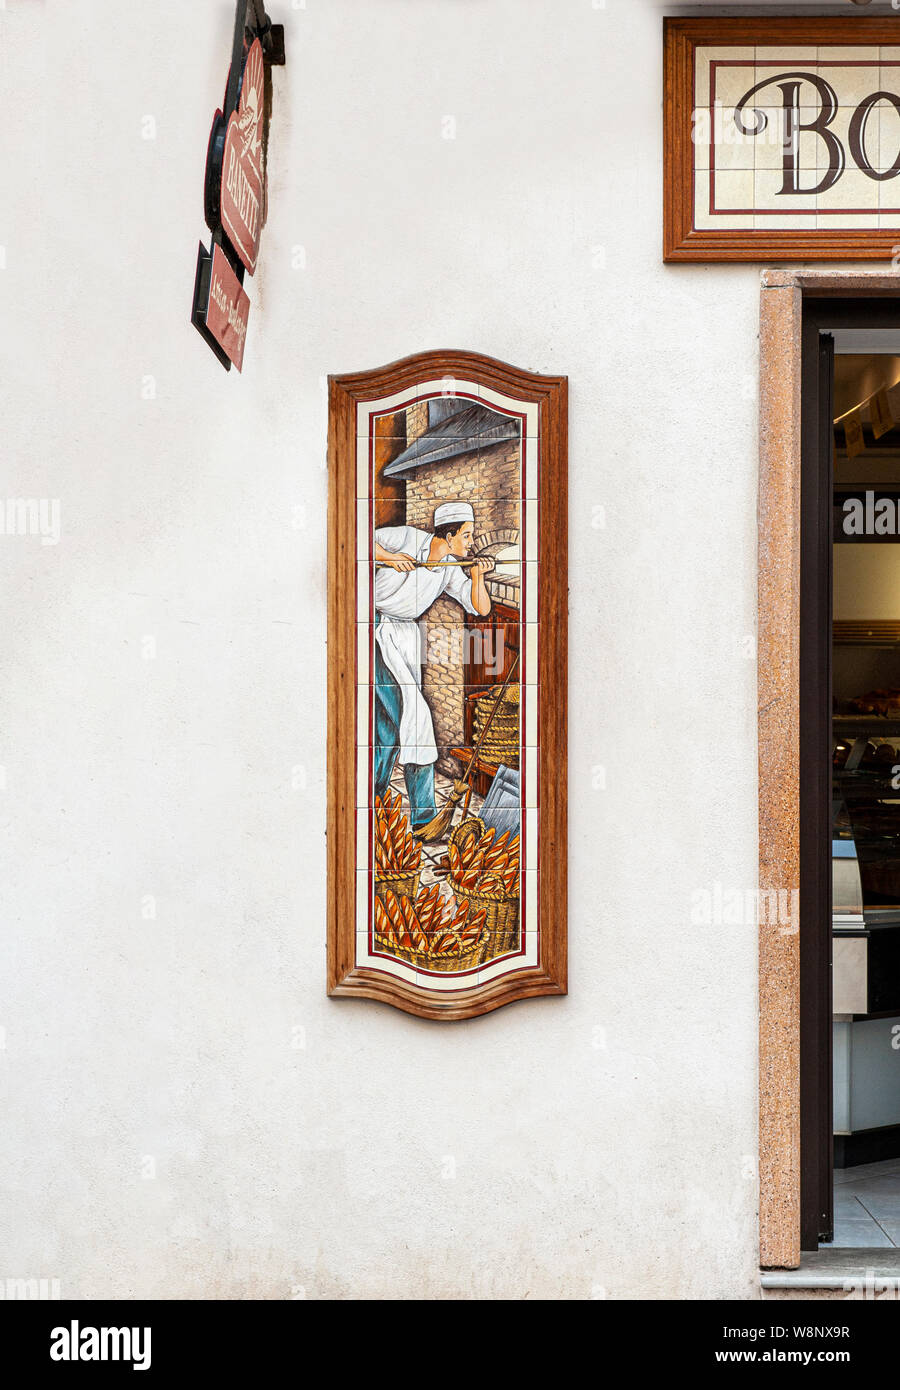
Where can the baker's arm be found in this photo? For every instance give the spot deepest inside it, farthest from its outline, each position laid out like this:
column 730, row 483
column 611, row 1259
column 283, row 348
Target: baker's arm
column 468, row 586
column 397, row 559
column 481, row 599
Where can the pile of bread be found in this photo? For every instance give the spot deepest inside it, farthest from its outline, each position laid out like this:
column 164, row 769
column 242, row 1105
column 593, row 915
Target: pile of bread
column 882, row 756
column 884, row 701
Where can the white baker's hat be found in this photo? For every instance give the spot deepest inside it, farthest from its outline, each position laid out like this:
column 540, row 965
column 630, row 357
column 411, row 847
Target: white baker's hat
column 448, row 512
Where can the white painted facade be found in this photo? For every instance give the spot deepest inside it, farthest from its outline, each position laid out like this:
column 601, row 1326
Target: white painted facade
column 186, row 1113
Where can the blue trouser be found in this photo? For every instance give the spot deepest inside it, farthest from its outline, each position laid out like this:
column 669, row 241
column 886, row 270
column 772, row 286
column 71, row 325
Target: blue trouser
column 419, row 778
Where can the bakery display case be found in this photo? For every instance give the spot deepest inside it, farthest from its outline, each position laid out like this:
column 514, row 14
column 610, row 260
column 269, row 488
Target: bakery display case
column 866, row 849
column 865, row 692
column 866, row 924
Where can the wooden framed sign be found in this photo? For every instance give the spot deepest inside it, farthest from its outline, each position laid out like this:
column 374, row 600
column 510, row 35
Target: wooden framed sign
column 447, row 685
column 782, row 139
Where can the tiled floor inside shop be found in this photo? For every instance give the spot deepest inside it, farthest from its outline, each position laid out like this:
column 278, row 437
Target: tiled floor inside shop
column 867, row 1206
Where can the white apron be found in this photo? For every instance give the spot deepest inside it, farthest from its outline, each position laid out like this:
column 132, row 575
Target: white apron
column 400, row 600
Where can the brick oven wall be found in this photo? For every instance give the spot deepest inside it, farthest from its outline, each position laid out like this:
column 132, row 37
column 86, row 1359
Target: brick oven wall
column 482, row 479
column 489, row 480
column 443, row 674
column 416, row 420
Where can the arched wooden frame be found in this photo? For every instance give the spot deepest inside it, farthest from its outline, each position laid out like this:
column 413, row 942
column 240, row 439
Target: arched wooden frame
column 544, row 401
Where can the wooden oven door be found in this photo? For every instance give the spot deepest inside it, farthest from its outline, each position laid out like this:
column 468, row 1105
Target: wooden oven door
column 492, row 645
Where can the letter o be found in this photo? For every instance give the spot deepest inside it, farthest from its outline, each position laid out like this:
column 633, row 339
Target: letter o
column 858, row 136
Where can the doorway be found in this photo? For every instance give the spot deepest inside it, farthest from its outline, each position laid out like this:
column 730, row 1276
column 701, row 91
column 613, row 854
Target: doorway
column 849, row 775
column 866, row 789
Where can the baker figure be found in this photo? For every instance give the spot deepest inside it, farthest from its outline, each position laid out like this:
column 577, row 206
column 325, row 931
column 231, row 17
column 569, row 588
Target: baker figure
column 403, row 592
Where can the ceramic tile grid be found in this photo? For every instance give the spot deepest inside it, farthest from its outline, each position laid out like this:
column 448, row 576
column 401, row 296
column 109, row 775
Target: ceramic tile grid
column 867, row 1207
column 739, row 177
column 498, row 476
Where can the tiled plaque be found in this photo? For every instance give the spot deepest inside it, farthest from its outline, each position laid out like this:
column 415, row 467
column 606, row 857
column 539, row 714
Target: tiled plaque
column 453, row 628
column 782, row 139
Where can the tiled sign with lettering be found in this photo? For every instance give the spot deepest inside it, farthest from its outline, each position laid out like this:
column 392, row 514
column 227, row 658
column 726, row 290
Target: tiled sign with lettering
column 782, row 139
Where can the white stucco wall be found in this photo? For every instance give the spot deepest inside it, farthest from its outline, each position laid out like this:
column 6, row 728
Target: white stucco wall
column 604, row 1142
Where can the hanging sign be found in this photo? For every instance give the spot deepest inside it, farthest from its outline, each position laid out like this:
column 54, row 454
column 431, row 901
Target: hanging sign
column 853, row 434
column 782, row 139
column 235, row 186
column 243, row 192
column 880, row 411
column 225, row 304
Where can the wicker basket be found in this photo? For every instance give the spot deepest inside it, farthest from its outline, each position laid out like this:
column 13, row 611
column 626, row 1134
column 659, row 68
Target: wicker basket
column 501, row 912
column 495, row 751
column 404, row 885
column 501, row 741
column 471, row 826
column 423, row 960
column 466, row 960
column 501, row 921
column 507, row 725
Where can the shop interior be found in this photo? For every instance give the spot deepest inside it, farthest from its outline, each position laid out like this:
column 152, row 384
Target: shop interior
column 866, row 790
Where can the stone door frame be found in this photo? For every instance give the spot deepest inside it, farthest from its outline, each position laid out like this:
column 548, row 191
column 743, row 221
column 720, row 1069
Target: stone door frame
column 782, row 296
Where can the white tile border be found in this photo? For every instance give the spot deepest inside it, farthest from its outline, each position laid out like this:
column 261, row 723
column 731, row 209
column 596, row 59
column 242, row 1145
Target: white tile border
column 830, row 61
column 529, row 542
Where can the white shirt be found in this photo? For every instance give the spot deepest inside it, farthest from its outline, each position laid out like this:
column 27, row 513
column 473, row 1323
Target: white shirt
column 399, row 595
column 402, row 598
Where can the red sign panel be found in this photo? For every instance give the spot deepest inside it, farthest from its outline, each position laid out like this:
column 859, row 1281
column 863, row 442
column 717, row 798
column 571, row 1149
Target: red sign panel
column 243, row 175
column 228, row 309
